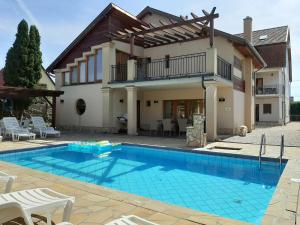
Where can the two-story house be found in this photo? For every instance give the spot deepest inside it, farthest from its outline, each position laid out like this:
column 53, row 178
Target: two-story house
column 155, row 67
column 272, row 102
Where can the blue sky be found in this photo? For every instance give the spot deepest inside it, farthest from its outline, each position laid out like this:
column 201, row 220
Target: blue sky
column 60, row 21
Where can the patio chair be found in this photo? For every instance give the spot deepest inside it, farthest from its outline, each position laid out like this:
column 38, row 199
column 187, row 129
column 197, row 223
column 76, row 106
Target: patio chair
column 131, row 220
column 13, row 129
column 43, row 201
column 182, row 124
column 40, row 126
column 12, row 210
column 167, row 126
column 8, row 180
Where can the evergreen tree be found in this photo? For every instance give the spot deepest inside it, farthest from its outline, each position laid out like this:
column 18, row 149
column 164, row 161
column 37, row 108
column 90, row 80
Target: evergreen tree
column 16, row 65
column 35, row 56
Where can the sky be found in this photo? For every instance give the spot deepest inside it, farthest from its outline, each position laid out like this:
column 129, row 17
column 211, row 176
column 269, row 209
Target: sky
column 60, row 21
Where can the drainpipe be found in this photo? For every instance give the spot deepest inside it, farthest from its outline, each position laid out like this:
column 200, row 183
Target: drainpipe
column 203, row 86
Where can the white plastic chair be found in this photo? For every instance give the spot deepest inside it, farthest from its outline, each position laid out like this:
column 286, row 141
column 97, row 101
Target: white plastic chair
column 8, row 180
column 131, row 220
column 167, row 126
column 43, row 201
column 182, row 124
column 11, row 210
column 13, row 129
column 40, row 126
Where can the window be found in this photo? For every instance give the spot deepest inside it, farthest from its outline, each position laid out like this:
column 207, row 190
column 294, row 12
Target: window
column 80, row 106
column 267, row 108
column 167, row 58
column 168, row 109
column 66, row 77
column 74, row 75
column 82, row 66
column 99, row 72
column 174, row 109
column 91, row 68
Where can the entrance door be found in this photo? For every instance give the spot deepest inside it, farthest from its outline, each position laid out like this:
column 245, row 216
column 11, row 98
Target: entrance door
column 257, row 112
column 138, row 114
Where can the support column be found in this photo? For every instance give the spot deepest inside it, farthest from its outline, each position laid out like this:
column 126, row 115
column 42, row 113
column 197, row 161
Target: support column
column 131, row 110
column 107, row 107
column 131, row 74
column 211, row 61
column 249, row 94
column 53, row 122
column 211, row 112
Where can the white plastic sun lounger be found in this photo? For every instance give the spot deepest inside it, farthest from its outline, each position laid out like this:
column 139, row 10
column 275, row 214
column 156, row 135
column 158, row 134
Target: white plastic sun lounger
column 13, row 129
column 41, row 127
column 11, row 210
column 9, row 180
column 131, row 220
column 43, row 201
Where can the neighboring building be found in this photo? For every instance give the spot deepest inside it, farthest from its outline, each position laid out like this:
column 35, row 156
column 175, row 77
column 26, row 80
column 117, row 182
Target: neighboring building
column 273, row 83
column 172, row 69
column 46, row 82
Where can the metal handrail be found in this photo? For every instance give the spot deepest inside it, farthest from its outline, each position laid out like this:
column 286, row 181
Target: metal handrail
column 262, row 149
column 281, row 149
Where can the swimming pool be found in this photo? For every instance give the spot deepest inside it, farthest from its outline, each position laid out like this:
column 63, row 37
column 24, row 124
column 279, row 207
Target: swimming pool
column 226, row 186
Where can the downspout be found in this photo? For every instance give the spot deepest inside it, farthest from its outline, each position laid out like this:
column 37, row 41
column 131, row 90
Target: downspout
column 204, row 87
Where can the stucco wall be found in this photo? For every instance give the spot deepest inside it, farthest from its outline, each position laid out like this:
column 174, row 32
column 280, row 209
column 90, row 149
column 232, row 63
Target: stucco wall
column 238, row 105
column 66, row 112
column 225, row 110
column 276, row 115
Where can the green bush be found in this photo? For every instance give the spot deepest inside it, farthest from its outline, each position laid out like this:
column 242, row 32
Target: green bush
column 295, row 108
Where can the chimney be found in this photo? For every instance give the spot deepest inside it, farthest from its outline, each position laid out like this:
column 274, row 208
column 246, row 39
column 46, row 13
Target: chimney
column 248, row 29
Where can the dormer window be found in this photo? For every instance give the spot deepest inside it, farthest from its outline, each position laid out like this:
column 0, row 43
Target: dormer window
column 263, row 37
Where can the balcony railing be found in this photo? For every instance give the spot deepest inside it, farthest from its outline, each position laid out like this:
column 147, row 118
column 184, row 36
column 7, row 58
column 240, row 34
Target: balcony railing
column 173, row 67
column 119, row 73
column 224, row 69
column 269, row 89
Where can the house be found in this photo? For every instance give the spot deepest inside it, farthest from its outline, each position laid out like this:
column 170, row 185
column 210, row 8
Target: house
column 273, row 83
column 46, row 81
column 157, row 66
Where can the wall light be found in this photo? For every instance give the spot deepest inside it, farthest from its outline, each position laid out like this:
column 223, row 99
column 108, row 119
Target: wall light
column 221, row 99
column 155, row 101
column 121, row 100
column 62, row 101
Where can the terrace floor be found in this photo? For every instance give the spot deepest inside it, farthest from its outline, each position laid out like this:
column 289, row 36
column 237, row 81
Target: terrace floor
column 99, row 205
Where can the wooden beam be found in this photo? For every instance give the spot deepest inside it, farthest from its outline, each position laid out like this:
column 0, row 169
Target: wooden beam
column 178, row 24
column 211, row 33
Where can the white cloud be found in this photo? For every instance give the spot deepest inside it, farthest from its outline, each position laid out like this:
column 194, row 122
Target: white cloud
column 21, row 4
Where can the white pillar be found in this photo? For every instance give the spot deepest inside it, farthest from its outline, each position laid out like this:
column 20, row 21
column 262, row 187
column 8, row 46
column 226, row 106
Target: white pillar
column 108, row 59
column 131, row 110
column 107, row 108
column 211, row 61
column 249, row 94
column 211, row 112
column 131, row 69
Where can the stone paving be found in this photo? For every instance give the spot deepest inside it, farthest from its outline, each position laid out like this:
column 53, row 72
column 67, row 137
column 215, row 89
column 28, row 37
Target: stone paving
column 291, row 133
column 99, row 205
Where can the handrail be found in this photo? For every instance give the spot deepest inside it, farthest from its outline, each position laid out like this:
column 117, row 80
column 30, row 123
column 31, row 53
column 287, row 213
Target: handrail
column 281, row 149
column 262, row 149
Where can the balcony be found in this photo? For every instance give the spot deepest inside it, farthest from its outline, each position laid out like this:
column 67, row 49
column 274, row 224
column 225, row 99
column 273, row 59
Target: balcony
column 269, row 90
column 185, row 66
column 224, row 68
column 173, row 67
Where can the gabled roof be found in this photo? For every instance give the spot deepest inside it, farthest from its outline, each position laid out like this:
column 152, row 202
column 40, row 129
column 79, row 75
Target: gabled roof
column 269, row 36
column 101, row 16
column 149, row 10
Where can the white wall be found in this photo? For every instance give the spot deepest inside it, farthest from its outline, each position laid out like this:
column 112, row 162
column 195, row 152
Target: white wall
column 225, row 110
column 276, row 115
column 239, row 109
column 66, row 112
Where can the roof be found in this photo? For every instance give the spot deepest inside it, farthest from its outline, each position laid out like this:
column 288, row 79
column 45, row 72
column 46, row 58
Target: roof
column 100, row 17
column 273, row 35
column 149, row 10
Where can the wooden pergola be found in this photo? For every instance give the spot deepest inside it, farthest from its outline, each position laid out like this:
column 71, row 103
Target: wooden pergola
column 25, row 93
column 169, row 31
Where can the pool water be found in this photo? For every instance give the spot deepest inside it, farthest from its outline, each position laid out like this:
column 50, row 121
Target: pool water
column 230, row 187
